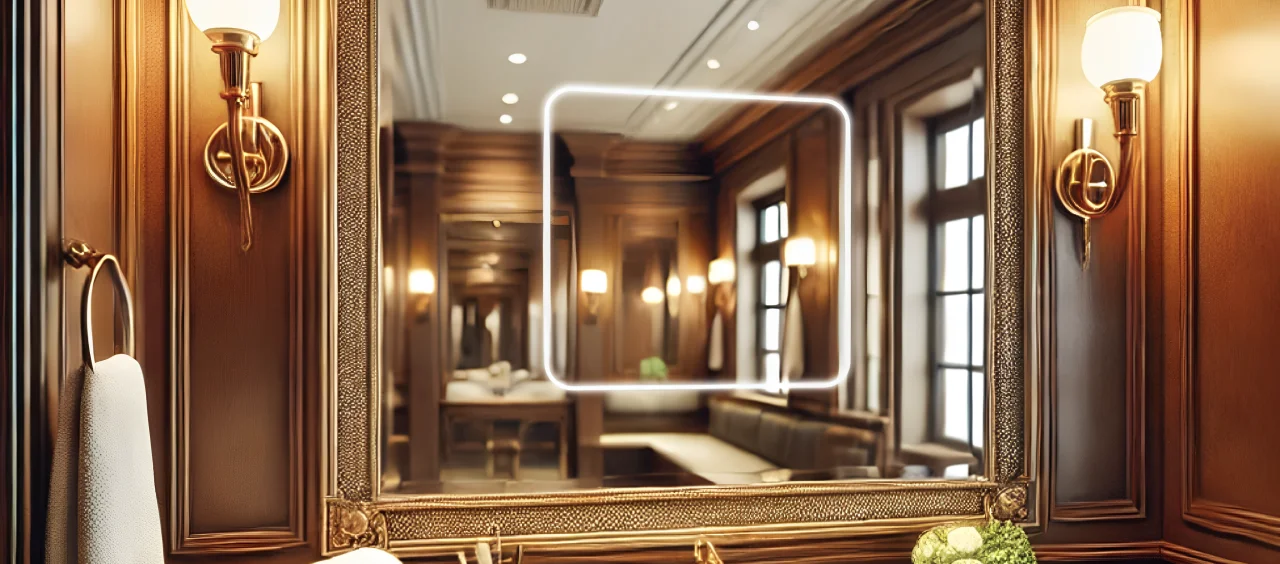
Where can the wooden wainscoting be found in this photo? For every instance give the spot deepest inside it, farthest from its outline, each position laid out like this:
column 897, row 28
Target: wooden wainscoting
column 1222, row 313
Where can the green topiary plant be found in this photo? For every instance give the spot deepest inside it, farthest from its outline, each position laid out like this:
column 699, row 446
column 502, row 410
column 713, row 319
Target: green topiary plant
column 996, row 542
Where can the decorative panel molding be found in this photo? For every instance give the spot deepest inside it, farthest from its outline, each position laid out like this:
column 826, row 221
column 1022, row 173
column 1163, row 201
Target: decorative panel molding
column 239, row 342
column 1226, row 317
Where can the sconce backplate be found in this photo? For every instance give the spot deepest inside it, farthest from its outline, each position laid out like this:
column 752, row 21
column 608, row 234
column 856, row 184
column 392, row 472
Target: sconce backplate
column 266, row 155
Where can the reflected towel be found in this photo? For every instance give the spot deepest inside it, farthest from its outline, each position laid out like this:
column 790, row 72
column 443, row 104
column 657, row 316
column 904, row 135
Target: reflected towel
column 102, row 499
column 793, row 338
column 363, row 556
column 715, row 344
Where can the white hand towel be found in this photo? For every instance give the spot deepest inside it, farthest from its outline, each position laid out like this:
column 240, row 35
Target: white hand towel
column 793, row 339
column 111, row 515
column 363, row 556
column 715, row 345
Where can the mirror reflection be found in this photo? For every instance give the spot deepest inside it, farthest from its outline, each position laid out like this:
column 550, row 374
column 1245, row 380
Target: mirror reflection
column 692, row 241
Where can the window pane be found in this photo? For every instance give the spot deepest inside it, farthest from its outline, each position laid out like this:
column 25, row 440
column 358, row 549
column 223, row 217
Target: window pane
column 955, row 404
column 783, row 227
column 956, row 150
column 979, row 252
column 773, row 369
column 772, row 328
column 955, row 329
column 953, row 246
column 771, row 291
column 979, row 330
column 979, row 147
column 979, row 416
column 769, row 225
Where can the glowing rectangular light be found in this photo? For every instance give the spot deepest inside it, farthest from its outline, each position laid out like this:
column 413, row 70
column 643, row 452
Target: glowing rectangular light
column 844, row 303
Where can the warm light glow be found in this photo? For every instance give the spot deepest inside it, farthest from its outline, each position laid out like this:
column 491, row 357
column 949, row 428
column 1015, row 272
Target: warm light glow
column 1122, row 44
column 595, row 281
column 843, row 306
column 258, row 17
column 673, row 286
column 720, row 271
column 713, row 64
column 753, row 25
column 422, row 281
column 799, row 251
column 510, row 98
column 651, row 295
column 504, row 118
column 696, row 285
column 671, row 105
column 517, row 58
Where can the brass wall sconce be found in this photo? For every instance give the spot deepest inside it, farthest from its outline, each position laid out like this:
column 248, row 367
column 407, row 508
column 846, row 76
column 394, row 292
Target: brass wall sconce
column 422, row 286
column 800, row 253
column 594, row 284
column 247, row 154
column 721, row 273
column 1121, row 53
column 697, row 286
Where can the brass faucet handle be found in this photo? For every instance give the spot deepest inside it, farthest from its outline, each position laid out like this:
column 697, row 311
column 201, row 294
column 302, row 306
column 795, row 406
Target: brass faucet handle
column 705, row 553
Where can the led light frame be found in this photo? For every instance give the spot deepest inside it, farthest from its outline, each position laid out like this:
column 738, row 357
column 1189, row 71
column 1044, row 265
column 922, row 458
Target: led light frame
column 844, row 302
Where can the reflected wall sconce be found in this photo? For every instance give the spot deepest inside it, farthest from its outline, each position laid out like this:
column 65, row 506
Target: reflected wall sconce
column 422, row 285
column 697, row 286
column 721, row 273
column 594, row 284
column 800, row 253
column 651, row 295
column 1121, row 53
column 247, row 154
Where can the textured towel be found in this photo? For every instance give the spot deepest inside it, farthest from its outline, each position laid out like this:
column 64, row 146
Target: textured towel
column 715, row 346
column 363, row 556
column 102, row 500
column 793, row 339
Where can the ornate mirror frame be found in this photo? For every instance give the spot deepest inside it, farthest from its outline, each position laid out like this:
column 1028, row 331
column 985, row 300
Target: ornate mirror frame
column 357, row 514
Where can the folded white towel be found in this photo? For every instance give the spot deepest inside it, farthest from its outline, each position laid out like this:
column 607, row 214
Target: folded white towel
column 363, row 556
column 102, row 502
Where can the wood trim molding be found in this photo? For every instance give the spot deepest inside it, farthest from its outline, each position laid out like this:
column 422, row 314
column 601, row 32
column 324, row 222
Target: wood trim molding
column 1133, row 505
column 305, row 22
column 1089, row 552
column 1216, row 516
column 845, row 62
column 1178, row 554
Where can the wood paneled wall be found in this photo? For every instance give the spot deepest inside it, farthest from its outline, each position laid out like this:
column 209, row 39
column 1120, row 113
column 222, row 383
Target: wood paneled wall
column 1218, row 262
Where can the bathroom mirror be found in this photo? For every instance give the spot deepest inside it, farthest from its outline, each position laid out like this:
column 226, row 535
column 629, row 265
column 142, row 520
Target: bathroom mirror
column 635, row 316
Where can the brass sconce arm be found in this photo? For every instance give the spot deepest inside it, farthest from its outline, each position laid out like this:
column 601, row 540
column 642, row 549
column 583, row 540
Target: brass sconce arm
column 247, row 154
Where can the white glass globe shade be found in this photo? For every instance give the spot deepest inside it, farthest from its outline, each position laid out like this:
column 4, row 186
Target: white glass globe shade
column 258, row 17
column 1122, row 44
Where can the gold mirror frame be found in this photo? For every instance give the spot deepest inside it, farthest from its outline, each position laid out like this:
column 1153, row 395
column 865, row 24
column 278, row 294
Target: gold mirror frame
column 356, row 514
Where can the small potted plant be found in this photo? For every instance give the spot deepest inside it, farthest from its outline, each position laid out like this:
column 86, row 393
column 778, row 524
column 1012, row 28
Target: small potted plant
column 994, row 542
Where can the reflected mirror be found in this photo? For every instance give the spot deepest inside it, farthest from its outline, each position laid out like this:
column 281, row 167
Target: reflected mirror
column 692, row 241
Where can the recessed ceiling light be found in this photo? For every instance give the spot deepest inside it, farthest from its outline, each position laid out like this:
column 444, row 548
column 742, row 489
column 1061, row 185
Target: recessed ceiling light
column 671, row 105
column 517, row 58
column 504, row 118
column 753, row 25
column 496, row 223
column 510, row 98
column 713, row 64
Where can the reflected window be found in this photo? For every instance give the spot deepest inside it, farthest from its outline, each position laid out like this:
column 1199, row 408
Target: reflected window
column 957, row 246
column 771, row 217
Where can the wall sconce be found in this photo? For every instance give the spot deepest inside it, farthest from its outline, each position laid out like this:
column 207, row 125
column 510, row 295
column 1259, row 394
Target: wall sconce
column 1121, row 53
column 674, row 289
column 422, row 285
column 721, row 273
column 801, row 253
column 594, row 284
column 651, row 295
column 248, row 153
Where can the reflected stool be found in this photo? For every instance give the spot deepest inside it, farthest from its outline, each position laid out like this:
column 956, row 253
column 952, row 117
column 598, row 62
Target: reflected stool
column 502, row 453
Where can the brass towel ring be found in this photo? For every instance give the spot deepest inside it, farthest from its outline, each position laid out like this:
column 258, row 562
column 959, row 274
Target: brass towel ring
column 79, row 254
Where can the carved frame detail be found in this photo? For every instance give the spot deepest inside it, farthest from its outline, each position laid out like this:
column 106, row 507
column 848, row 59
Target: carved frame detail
column 357, row 514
